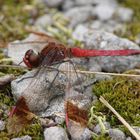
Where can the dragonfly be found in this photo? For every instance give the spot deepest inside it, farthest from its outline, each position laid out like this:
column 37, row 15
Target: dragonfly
column 56, row 53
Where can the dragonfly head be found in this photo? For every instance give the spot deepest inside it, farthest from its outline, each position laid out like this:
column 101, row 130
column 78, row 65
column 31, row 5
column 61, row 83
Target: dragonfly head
column 31, row 59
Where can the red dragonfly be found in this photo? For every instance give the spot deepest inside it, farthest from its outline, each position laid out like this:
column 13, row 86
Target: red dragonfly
column 55, row 52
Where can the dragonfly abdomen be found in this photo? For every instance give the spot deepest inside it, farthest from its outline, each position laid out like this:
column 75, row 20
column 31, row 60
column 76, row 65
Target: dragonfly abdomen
column 78, row 52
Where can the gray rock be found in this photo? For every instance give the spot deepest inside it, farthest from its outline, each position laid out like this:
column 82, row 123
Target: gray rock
column 79, row 15
column 96, row 39
column 2, row 125
column 38, row 94
column 86, row 134
column 137, row 129
column 124, row 14
column 55, row 133
column 104, row 12
column 57, row 104
column 17, row 50
column 79, row 32
column 84, row 2
column 68, row 4
column 36, row 90
column 78, row 132
column 53, row 3
column 128, row 138
column 95, row 2
column 23, row 138
column 97, row 128
column 108, row 26
column 116, row 134
column 43, row 21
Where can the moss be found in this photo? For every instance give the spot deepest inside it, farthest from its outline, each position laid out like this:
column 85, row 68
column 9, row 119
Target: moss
column 6, row 102
column 124, row 95
column 101, row 137
column 132, row 28
column 133, row 4
column 15, row 16
column 9, row 70
column 15, row 71
column 34, row 130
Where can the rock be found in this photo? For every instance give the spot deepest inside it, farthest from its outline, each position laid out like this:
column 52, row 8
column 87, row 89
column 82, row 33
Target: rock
column 55, row 133
column 127, row 14
column 23, row 138
column 104, row 12
column 128, row 138
column 97, row 128
column 95, row 2
column 137, row 129
column 36, row 90
column 83, row 14
column 78, row 132
column 16, row 50
column 43, row 21
column 68, row 4
column 53, row 3
column 79, row 32
column 40, row 93
column 84, row 2
column 96, row 39
column 116, row 134
column 56, row 105
column 86, row 134
column 2, row 125
column 108, row 26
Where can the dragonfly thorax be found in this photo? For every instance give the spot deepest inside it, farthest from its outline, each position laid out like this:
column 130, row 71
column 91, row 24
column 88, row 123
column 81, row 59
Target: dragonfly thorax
column 31, row 59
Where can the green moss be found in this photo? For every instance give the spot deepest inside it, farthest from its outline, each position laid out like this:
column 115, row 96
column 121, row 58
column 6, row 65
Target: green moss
column 34, row 130
column 9, row 70
column 15, row 16
column 15, row 71
column 133, row 4
column 132, row 28
column 124, row 95
column 101, row 137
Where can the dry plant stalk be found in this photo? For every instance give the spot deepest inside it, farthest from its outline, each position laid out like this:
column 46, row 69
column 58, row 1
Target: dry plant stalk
column 103, row 73
column 134, row 133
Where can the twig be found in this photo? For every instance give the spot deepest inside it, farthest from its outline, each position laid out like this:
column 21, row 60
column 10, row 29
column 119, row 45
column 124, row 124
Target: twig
column 29, row 42
column 103, row 73
column 134, row 133
column 13, row 66
column 78, row 71
column 37, row 32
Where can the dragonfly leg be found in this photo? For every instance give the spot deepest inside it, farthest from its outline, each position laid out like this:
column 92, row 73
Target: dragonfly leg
column 74, row 67
column 32, row 76
column 50, row 86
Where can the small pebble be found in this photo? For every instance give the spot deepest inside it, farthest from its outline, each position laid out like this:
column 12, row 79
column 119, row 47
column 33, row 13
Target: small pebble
column 2, row 125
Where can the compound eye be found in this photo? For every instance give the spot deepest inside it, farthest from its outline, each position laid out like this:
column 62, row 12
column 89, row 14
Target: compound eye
column 28, row 53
